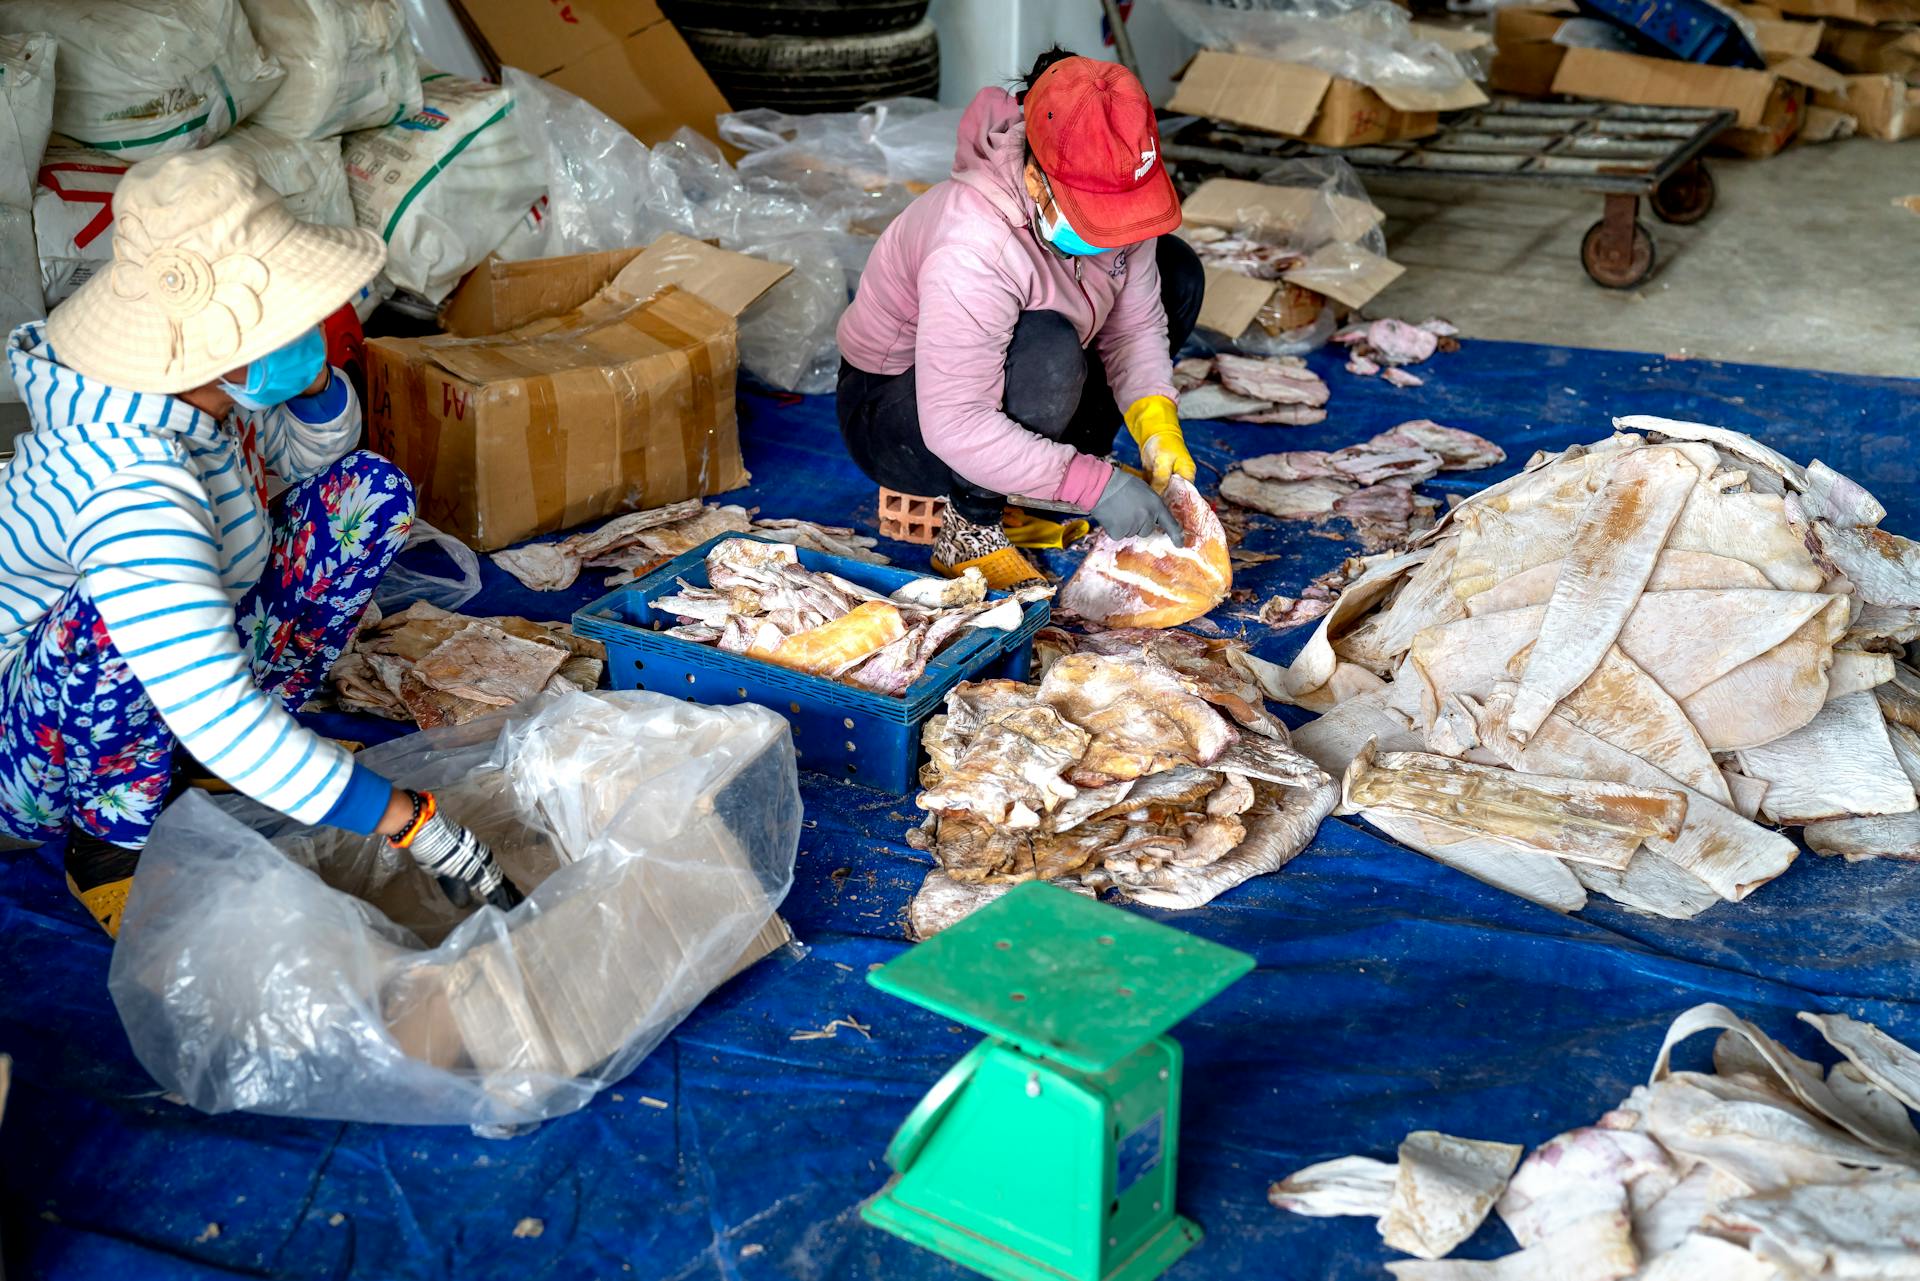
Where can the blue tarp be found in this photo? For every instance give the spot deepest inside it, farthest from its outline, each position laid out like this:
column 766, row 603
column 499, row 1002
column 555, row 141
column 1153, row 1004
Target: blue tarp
column 1392, row 993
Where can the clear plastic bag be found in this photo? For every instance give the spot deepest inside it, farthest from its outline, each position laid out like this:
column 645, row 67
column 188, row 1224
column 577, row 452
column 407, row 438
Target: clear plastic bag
column 1371, row 41
column 308, row 972
column 812, row 192
column 404, row 584
column 26, row 116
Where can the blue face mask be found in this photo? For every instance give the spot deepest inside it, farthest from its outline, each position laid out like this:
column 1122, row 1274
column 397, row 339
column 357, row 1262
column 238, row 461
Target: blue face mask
column 279, row 376
column 1061, row 235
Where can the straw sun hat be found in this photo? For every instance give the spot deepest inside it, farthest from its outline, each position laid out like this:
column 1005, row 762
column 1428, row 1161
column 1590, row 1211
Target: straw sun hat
column 209, row 273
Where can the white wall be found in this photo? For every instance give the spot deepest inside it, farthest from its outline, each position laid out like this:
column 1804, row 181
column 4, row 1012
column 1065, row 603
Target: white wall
column 985, row 42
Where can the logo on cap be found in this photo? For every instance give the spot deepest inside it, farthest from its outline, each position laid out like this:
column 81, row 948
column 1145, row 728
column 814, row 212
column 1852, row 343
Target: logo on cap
column 1146, row 163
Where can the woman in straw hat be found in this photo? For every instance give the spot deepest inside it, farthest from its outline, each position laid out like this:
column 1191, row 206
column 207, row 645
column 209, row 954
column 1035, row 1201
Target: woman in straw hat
column 1017, row 314
column 155, row 605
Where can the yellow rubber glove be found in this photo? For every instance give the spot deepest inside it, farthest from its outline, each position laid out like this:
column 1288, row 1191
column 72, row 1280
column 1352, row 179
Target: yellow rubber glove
column 1154, row 423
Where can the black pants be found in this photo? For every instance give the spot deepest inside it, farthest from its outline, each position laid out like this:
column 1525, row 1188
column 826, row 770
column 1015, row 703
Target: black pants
column 1055, row 388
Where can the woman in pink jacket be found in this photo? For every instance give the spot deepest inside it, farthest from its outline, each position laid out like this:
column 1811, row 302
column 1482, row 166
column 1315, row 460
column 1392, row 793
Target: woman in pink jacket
column 1008, row 316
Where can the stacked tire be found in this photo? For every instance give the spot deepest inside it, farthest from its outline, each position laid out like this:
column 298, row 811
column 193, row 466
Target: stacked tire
column 812, row 55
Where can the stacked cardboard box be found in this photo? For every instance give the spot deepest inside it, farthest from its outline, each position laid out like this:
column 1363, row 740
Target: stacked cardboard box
column 1834, row 67
column 1305, row 102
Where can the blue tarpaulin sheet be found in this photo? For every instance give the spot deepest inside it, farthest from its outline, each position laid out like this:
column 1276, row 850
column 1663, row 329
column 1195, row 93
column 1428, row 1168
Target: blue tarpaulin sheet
column 1391, row 993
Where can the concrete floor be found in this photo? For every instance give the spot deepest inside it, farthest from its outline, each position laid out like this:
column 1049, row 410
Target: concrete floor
column 1805, row 261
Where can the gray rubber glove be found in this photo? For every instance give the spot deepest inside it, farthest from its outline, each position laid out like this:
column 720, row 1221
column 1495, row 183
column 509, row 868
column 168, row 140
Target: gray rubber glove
column 459, row 860
column 1128, row 508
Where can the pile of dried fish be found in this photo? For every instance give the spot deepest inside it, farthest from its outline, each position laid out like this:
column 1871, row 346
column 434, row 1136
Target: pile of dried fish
column 1383, row 347
column 759, row 601
column 1250, row 389
column 1152, row 582
column 1765, row 1169
column 1144, row 761
column 1674, row 622
column 1369, row 484
column 435, row 668
column 640, row 542
column 1283, row 612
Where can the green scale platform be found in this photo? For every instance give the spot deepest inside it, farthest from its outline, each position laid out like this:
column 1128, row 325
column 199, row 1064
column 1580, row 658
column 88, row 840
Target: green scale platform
column 1048, row 1152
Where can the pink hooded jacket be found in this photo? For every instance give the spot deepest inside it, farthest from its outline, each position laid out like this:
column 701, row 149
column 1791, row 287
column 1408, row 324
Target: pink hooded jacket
column 946, row 284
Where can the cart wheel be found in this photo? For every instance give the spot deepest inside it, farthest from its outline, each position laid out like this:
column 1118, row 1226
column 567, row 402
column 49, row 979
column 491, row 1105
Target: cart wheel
column 1617, row 270
column 1686, row 197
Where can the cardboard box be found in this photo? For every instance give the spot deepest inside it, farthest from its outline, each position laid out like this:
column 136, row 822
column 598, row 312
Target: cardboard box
column 1769, row 105
column 1305, row 102
column 1884, row 106
column 623, row 56
column 1525, row 57
column 1865, row 50
column 623, row 401
column 1868, row 13
column 1339, row 269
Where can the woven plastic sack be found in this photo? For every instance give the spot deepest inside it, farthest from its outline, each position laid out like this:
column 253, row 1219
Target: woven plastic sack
column 305, row 972
column 349, row 65
column 26, row 114
column 445, row 186
column 146, row 77
column 73, row 199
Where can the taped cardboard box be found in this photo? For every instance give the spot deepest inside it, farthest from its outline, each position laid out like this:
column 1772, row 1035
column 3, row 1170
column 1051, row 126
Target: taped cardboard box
column 1769, row 106
column 1525, row 56
column 1883, row 106
column 1305, row 102
column 623, row 56
column 1778, row 36
column 623, row 401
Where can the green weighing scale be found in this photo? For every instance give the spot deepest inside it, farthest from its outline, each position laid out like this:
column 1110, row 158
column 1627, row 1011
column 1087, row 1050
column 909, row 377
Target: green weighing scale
column 1048, row 1152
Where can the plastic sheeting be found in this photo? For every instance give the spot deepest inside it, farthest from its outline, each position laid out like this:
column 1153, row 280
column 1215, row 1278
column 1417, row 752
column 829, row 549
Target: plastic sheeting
column 1372, row 41
column 1391, row 995
column 310, row 972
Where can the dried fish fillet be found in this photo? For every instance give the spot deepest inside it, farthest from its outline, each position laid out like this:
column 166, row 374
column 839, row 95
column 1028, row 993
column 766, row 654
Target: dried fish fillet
column 1142, row 719
column 1010, row 773
column 1622, row 705
column 1270, row 380
column 1672, row 571
column 1278, row 827
column 1578, row 1176
column 1726, row 851
column 835, row 645
column 1443, row 1190
column 1347, row 1185
column 1151, row 582
column 1287, row 499
column 1840, row 764
column 1700, row 1257
column 486, row 665
column 1881, row 1059
column 1616, row 540
column 1597, row 1250
column 942, row 901
column 1862, row 1231
column 1599, row 823
column 1650, row 883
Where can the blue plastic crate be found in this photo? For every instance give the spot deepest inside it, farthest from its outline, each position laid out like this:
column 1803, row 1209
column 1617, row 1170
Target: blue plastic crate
column 840, row 730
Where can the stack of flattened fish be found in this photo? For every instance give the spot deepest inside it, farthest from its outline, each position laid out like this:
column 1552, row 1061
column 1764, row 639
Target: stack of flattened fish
column 1619, row 669
column 1768, row 1168
column 761, row 602
column 435, row 668
column 1143, row 761
column 1369, row 484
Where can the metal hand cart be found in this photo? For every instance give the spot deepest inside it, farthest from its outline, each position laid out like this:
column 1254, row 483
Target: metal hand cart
column 1622, row 152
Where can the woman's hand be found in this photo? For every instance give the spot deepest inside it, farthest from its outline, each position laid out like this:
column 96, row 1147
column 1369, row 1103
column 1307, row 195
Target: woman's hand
column 454, row 856
column 1154, row 424
column 1128, row 508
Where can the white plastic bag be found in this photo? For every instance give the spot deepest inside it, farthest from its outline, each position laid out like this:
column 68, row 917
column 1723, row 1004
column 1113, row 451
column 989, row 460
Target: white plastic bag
column 402, row 585
column 657, row 838
column 146, row 77
column 598, row 185
column 73, row 200
column 349, row 65
column 26, row 114
column 305, row 171
column 445, row 186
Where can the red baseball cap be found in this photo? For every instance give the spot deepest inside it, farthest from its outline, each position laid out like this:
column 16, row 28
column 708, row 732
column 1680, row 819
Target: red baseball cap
column 1093, row 133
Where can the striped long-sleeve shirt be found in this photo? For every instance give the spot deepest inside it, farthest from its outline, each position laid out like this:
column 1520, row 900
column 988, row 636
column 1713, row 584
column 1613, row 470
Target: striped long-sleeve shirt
column 158, row 511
